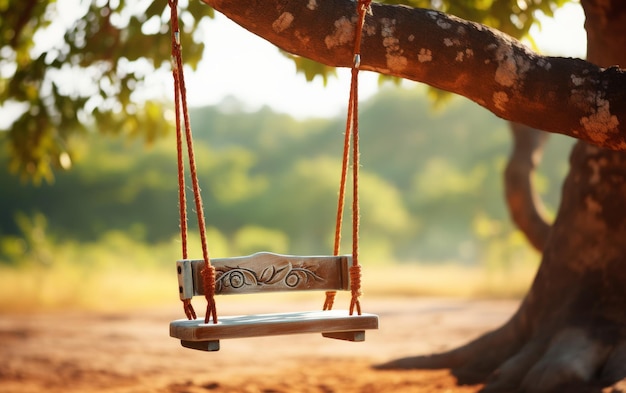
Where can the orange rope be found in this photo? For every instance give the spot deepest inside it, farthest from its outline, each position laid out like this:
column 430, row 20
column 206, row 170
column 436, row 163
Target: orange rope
column 330, row 295
column 352, row 129
column 180, row 97
column 182, row 201
column 355, row 269
column 363, row 7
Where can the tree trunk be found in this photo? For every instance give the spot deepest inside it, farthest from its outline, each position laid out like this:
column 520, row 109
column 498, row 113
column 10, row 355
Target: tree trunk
column 569, row 333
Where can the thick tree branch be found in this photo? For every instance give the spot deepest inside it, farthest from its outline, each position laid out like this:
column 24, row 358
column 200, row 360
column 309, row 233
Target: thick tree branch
column 560, row 95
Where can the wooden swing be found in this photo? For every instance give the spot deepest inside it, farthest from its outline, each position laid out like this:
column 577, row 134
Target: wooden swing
column 267, row 272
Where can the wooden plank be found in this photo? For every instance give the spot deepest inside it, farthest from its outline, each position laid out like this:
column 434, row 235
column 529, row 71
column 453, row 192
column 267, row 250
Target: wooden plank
column 354, row 336
column 185, row 280
column 214, row 345
column 266, row 272
column 257, row 325
column 208, row 346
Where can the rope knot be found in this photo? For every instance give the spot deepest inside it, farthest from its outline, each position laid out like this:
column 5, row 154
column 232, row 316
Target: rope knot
column 355, row 286
column 180, row 98
column 189, row 311
column 208, row 279
column 330, row 300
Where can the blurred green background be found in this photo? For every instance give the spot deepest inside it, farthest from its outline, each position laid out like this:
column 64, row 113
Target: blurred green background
column 431, row 204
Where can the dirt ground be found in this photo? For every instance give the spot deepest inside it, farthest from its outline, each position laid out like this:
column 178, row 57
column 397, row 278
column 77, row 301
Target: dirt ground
column 132, row 351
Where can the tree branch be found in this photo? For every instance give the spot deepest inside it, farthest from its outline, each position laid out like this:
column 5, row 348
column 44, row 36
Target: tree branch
column 525, row 206
column 25, row 14
column 560, row 95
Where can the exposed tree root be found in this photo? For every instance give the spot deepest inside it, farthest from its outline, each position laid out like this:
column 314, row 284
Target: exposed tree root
column 615, row 366
column 571, row 360
column 469, row 362
column 569, row 334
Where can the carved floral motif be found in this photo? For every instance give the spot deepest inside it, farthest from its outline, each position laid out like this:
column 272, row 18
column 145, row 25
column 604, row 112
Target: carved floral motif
column 287, row 276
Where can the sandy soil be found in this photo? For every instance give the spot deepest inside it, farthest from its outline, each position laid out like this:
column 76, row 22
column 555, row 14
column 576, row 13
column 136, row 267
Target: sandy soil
column 132, row 351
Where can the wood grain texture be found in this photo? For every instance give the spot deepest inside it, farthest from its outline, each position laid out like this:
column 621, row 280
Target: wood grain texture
column 207, row 346
column 266, row 272
column 258, row 325
column 562, row 95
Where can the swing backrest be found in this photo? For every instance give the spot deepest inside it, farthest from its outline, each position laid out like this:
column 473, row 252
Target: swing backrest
column 266, row 272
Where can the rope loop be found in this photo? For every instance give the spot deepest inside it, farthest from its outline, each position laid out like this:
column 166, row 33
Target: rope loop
column 180, row 100
column 208, row 279
column 330, row 300
column 355, row 284
column 363, row 7
column 352, row 132
column 189, row 311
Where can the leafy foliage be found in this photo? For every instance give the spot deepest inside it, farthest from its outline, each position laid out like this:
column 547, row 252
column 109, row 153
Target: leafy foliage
column 72, row 65
column 513, row 17
column 72, row 77
column 64, row 74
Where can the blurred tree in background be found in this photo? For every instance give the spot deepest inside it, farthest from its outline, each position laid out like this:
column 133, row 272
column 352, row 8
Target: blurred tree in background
column 70, row 66
column 425, row 195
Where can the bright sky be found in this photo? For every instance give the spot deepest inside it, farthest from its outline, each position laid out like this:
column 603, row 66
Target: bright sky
column 252, row 70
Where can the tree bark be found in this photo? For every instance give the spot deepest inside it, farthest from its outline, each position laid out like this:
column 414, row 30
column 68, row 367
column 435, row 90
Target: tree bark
column 525, row 206
column 561, row 95
column 569, row 333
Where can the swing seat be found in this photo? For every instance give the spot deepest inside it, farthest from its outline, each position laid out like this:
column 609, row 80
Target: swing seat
column 268, row 272
column 332, row 324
